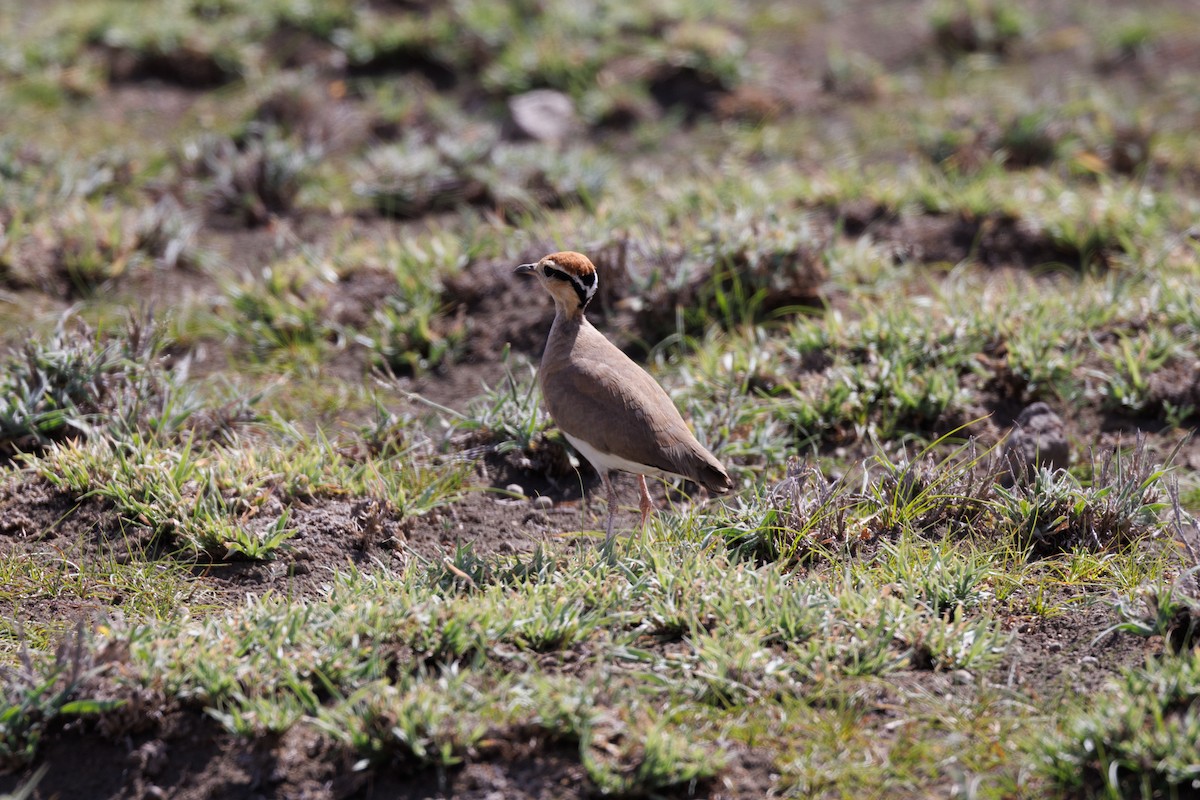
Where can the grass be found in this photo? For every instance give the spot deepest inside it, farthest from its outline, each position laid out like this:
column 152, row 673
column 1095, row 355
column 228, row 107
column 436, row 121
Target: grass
column 760, row 654
column 217, row 501
column 1133, row 743
column 79, row 582
column 40, row 691
column 265, row 373
column 757, row 651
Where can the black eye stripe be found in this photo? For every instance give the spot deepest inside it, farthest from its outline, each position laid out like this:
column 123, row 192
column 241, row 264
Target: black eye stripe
column 576, row 283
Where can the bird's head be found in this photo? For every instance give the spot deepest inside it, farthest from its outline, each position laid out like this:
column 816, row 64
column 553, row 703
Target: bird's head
column 569, row 277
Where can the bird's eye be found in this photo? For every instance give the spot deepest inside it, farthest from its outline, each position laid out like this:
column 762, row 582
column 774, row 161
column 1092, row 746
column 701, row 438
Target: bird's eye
column 554, row 272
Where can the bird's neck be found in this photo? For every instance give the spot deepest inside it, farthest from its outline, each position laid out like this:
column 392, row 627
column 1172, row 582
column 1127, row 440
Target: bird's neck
column 572, row 316
column 564, row 333
column 567, row 324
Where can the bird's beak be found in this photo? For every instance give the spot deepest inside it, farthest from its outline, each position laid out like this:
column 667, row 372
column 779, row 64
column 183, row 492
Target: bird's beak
column 525, row 269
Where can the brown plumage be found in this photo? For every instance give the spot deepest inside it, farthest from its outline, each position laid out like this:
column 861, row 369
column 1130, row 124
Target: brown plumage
column 610, row 408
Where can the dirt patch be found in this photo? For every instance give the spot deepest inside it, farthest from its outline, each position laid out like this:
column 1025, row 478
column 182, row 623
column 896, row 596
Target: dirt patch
column 33, row 512
column 318, row 114
column 504, row 309
column 157, row 110
column 993, row 240
column 182, row 66
column 352, row 301
column 1177, row 384
column 331, row 534
column 458, row 386
column 1056, row 658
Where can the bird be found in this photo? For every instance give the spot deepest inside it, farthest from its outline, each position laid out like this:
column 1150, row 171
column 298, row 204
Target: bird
column 609, row 408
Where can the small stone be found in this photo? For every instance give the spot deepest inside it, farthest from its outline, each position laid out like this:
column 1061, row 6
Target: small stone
column 1054, row 647
column 152, row 756
column 543, row 502
column 962, row 677
column 1038, row 440
column 1089, row 662
column 543, row 114
column 515, row 488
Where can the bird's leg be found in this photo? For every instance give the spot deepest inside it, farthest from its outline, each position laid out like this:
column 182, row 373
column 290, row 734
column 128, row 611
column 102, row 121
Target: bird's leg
column 646, row 504
column 612, row 506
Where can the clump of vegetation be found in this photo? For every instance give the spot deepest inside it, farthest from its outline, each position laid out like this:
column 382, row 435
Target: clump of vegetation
column 420, row 43
column 766, row 262
column 234, row 503
column 408, row 330
column 1029, row 140
column 1171, row 611
column 94, row 246
column 415, row 179
column 43, row 690
column 252, row 179
column 311, row 113
column 1138, row 739
column 734, row 270
column 963, row 149
column 411, row 337
column 648, row 758
column 179, row 494
column 959, row 495
column 507, row 422
column 475, row 168
column 1129, row 44
column 853, row 75
column 85, row 245
column 1132, row 383
column 280, row 313
column 978, row 26
column 882, row 378
column 808, row 515
column 1056, row 512
column 77, row 382
column 802, row 516
column 1127, row 147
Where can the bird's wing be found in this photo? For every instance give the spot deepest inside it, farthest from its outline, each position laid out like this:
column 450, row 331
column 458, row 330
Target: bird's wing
column 651, row 430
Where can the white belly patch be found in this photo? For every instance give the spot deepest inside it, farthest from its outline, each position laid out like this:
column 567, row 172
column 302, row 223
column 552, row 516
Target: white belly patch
column 603, row 462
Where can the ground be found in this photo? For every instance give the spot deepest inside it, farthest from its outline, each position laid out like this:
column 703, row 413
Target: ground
column 280, row 515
